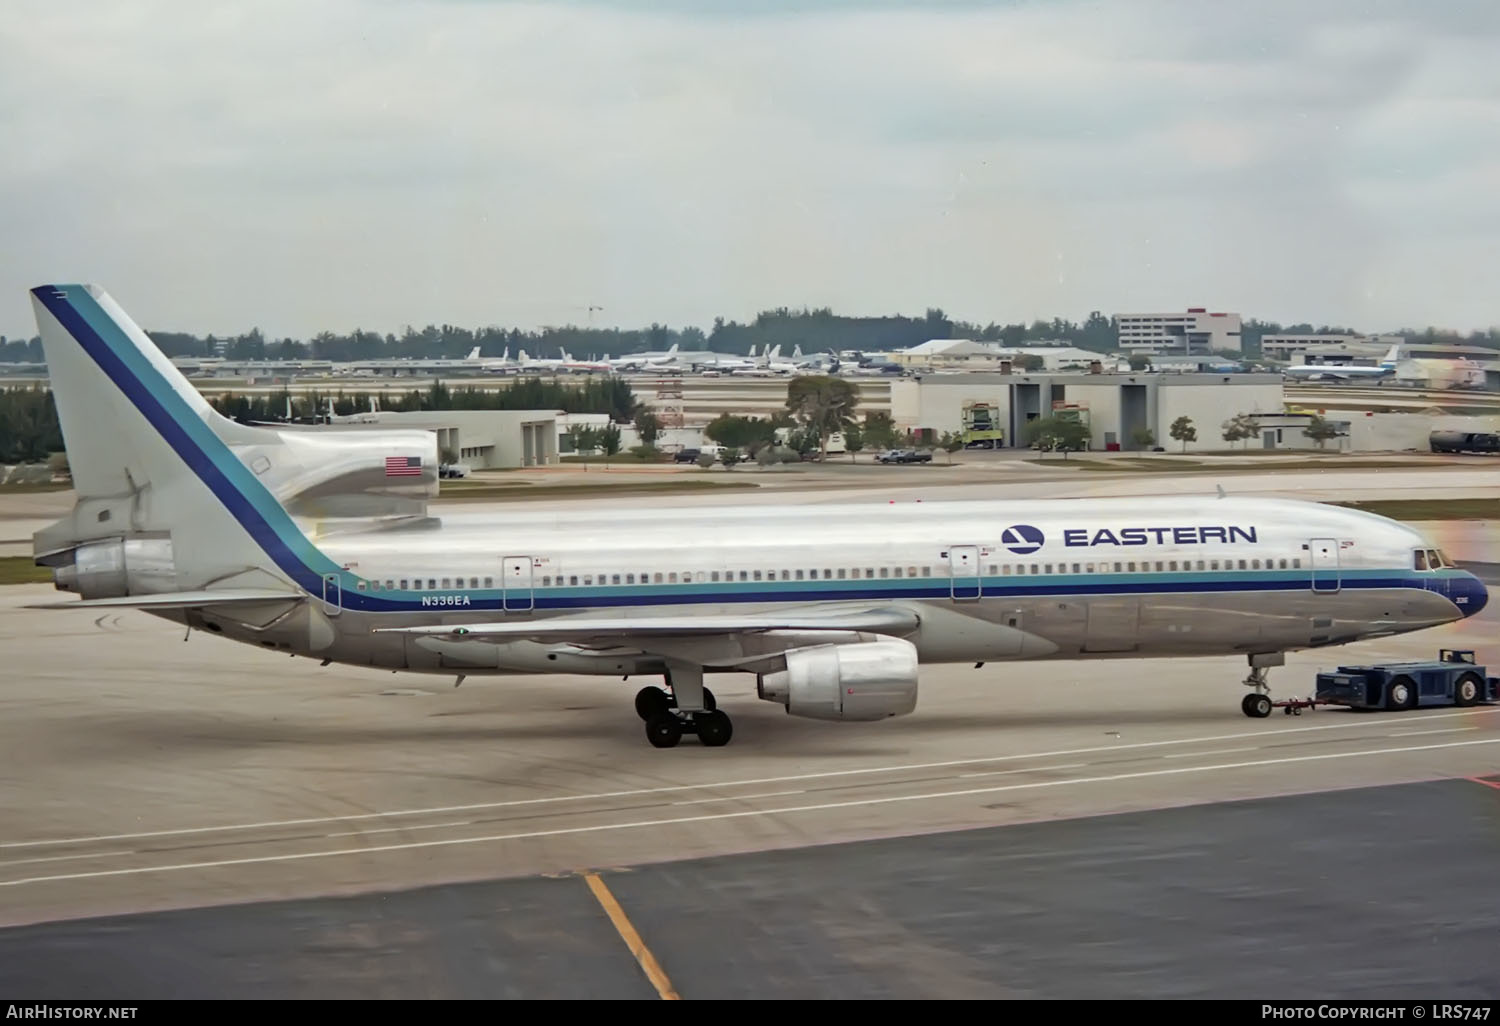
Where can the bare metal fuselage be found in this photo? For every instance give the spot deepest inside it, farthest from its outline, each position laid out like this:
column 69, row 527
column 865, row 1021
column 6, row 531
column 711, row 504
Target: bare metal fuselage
column 1109, row 579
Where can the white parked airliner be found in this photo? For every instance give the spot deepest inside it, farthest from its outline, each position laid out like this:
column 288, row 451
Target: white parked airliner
column 1345, row 372
column 190, row 516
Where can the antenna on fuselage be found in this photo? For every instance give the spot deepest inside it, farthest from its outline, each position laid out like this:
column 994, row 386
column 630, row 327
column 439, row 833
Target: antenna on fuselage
column 1221, row 490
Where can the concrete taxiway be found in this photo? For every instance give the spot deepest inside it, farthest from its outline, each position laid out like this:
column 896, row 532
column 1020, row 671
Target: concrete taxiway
column 260, row 824
column 1375, row 893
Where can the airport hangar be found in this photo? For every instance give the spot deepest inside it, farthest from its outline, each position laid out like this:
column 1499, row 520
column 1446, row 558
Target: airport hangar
column 481, row 439
column 1117, row 406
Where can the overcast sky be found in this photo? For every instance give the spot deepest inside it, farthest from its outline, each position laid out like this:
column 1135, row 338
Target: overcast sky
column 376, row 163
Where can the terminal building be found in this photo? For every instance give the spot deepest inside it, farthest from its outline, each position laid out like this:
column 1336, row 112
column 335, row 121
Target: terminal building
column 1194, row 333
column 1123, row 411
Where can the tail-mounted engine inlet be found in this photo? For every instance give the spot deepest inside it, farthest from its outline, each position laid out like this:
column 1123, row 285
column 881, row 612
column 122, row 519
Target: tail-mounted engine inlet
column 117, row 567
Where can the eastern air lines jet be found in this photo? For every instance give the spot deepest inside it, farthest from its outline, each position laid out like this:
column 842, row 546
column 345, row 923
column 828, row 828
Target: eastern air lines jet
column 830, row 611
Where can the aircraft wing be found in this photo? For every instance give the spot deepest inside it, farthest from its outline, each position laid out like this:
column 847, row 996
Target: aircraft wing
column 180, row 599
column 877, row 620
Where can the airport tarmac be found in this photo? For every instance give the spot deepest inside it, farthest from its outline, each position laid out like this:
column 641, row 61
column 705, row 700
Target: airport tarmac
column 193, row 817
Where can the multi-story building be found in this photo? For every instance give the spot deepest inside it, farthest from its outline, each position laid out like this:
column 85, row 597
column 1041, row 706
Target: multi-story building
column 1193, row 333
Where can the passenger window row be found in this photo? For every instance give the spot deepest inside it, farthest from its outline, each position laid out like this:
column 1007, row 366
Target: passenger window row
column 1144, row 566
column 1425, row 559
column 730, row 576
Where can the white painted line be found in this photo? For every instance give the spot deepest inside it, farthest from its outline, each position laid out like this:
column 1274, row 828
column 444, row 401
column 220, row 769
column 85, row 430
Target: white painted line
column 1221, row 751
column 392, row 830
column 1027, row 769
column 900, row 768
column 1445, row 730
column 739, row 797
column 65, row 858
column 787, row 810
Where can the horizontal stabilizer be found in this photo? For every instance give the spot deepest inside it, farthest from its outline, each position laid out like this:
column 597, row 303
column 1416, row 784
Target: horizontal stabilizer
column 180, row 599
column 874, row 620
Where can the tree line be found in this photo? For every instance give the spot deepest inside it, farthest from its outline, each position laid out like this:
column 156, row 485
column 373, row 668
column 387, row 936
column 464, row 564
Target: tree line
column 29, row 431
column 611, row 395
column 815, row 330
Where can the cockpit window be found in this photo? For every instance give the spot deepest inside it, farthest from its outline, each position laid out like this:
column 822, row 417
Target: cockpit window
column 1444, row 559
column 1419, row 560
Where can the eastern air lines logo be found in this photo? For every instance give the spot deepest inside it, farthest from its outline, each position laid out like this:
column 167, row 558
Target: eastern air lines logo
column 1022, row 539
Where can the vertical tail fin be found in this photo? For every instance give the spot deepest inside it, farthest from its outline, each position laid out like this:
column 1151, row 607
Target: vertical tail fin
column 150, row 457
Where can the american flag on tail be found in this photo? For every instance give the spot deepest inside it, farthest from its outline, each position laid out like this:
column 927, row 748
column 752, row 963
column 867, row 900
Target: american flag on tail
column 403, row 466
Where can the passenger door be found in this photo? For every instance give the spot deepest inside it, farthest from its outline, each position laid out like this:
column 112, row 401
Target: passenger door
column 1323, row 557
column 963, row 572
column 516, row 585
column 333, row 595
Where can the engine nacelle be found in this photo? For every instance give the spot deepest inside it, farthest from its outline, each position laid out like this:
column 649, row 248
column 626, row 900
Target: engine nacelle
column 117, row 567
column 871, row 680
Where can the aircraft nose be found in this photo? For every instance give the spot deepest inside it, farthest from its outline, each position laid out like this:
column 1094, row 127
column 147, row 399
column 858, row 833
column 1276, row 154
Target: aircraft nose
column 1468, row 593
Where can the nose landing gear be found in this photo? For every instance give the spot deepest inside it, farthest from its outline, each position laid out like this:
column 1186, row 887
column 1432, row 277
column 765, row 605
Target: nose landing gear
column 1256, row 706
column 1259, row 705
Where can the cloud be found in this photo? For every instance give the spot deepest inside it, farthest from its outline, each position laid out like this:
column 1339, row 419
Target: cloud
column 309, row 167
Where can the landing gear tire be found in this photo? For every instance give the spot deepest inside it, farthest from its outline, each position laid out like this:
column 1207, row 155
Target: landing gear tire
column 1466, row 691
column 1256, row 706
column 650, row 701
column 664, row 730
column 1401, row 694
column 714, row 729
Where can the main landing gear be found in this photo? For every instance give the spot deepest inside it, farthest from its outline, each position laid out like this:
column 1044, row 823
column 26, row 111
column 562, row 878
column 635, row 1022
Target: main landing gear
column 688, row 709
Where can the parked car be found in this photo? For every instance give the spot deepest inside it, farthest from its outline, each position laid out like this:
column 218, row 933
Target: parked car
column 687, row 455
column 452, row 470
column 904, row 456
